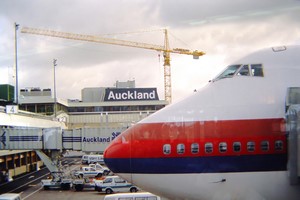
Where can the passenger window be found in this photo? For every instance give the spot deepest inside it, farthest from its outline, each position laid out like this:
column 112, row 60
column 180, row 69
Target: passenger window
column 167, row 149
column 223, row 147
column 208, row 147
column 278, row 145
column 108, row 180
column 257, row 70
column 264, row 145
column 180, row 148
column 251, row 146
column 244, row 71
column 236, row 146
column 119, row 180
column 195, row 148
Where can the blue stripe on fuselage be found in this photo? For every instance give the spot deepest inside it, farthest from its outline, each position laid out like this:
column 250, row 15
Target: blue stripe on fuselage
column 212, row 164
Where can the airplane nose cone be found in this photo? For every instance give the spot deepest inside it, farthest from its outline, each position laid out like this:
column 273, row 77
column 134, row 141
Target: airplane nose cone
column 117, row 155
column 135, row 151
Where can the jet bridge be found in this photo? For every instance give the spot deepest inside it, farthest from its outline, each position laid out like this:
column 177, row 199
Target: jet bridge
column 56, row 140
column 85, row 139
column 293, row 133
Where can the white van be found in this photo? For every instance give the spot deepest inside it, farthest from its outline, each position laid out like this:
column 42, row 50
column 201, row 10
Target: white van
column 88, row 159
column 10, row 196
column 112, row 184
column 132, row 196
column 84, row 159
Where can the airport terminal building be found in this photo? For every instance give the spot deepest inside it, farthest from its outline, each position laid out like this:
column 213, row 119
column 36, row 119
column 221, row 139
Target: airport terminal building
column 112, row 107
column 109, row 108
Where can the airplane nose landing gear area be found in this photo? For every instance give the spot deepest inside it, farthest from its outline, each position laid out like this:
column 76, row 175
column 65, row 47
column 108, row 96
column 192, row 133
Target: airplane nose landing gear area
column 293, row 123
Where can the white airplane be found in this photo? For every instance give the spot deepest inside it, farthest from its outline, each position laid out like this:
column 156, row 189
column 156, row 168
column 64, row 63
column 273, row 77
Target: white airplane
column 226, row 141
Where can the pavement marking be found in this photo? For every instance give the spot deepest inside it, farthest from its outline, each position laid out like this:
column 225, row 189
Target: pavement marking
column 32, row 193
column 27, row 183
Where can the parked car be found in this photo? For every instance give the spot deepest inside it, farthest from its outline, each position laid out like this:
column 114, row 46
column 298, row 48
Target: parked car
column 10, row 196
column 88, row 172
column 99, row 167
column 113, row 184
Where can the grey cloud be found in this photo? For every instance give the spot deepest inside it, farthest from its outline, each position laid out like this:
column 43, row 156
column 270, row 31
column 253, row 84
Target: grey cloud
column 233, row 30
column 192, row 12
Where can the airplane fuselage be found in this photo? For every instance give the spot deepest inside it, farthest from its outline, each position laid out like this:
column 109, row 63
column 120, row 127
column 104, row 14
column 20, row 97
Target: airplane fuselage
column 226, row 141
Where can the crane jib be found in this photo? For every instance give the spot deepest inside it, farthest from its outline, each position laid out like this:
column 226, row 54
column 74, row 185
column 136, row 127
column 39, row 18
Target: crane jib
column 92, row 38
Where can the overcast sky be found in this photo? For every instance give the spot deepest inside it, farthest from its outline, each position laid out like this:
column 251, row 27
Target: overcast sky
column 224, row 29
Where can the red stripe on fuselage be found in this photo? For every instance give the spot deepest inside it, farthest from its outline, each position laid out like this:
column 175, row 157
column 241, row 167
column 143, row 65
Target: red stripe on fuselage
column 147, row 140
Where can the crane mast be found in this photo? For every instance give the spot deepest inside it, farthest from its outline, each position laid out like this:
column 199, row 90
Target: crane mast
column 167, row 70
column 92, row 38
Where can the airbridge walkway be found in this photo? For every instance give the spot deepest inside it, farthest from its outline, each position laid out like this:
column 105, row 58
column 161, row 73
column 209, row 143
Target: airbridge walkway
column 21, row 148
column 25, row 136
column 85, row 139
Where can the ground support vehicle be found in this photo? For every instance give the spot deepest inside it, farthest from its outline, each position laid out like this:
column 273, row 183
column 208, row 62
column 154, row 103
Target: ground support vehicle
column 57, row 182
column 58, row 179
column 88, row 159
column 113, row 184
column 84, row 183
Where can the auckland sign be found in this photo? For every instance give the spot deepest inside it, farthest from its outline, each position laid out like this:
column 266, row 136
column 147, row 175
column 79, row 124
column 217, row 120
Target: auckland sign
column 130, row 94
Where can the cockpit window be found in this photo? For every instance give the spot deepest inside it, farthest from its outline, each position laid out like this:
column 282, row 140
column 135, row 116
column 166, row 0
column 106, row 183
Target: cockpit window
column 242, row 70
column 257, row 70
column 229, row 72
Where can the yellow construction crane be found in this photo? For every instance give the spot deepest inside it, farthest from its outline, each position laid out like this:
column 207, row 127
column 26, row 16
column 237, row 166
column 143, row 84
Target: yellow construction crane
column 92, row 38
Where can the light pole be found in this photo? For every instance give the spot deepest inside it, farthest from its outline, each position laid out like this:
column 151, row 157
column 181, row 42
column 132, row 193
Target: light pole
column 55, row 101
column 16, row 64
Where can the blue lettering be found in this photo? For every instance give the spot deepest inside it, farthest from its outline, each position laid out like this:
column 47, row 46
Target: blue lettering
column 96, row 139
column 114, row 135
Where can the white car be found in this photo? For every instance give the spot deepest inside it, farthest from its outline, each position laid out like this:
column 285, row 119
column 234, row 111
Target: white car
column 99, row 167
column 88, row 172
column 10, row 196
column 113, row 184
